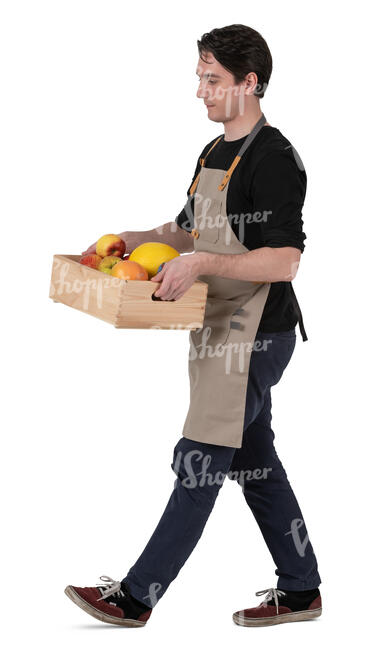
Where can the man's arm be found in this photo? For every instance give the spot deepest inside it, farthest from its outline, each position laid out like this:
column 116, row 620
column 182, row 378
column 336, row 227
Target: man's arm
column 261, row 265
column 277, row 190
column 169, row 233
column 175, row 233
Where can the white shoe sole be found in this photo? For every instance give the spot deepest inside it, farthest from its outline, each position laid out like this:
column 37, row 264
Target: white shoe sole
column 96, row 613
column 306, row 615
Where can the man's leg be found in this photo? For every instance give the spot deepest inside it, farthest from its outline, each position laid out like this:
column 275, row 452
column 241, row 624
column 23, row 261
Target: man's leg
column 263, row 479
column 201, row 469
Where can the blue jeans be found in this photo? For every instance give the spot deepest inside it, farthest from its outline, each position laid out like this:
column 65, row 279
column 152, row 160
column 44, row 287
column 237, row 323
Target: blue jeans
column 201, row 470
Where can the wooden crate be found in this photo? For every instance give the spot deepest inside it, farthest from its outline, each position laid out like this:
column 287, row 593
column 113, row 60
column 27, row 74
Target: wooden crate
column 124, row 303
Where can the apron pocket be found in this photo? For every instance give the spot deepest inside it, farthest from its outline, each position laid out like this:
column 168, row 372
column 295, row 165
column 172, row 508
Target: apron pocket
column 216, row 323
column 242, row 317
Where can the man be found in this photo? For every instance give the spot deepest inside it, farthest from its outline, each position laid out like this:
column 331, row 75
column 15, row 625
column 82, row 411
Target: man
column 243, row 221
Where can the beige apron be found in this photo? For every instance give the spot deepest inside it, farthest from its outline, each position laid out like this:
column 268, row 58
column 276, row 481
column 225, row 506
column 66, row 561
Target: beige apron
column 220, row 351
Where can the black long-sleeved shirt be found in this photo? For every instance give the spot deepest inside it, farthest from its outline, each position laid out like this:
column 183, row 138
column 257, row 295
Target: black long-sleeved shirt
column 264, row 206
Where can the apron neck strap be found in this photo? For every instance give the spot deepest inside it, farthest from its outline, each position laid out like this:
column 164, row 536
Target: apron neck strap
column 202, row 162
column 259, row 124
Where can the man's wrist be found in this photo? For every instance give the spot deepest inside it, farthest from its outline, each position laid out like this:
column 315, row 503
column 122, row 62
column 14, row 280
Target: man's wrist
column 205, row 263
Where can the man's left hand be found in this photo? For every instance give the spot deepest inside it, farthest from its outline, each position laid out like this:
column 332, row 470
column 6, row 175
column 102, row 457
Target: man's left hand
column 177, row 276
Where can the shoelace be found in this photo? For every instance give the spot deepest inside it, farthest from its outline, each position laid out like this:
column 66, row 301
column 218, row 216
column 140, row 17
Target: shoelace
column 111, row 587
column 271, row 593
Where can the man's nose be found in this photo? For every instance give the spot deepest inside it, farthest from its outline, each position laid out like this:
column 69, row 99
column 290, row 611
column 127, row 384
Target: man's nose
column 202, row 92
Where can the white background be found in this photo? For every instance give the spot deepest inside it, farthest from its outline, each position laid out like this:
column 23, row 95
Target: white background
column 100, row 132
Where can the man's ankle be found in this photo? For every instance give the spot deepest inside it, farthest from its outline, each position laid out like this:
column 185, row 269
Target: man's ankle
column 136, row 602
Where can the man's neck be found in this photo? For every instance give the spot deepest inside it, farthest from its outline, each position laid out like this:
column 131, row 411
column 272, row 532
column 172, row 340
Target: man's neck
column 241, row 125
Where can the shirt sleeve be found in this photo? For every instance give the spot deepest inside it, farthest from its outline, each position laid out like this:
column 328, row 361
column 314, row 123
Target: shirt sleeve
column 278, row 190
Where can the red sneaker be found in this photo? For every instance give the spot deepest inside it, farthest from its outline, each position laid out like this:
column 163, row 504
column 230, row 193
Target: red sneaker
column 110, row 603
column 281, row 607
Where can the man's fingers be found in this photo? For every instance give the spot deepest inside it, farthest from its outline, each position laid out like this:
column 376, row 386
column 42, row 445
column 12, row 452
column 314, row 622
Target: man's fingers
column 165, row 292
column 91, row 249
column 159, row 275
column 169, row 293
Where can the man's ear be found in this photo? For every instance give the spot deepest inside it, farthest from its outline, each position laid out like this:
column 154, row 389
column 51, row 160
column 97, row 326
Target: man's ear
column 251, row 82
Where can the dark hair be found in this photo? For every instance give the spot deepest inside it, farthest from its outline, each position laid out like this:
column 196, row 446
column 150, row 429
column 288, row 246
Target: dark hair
column 239, row 49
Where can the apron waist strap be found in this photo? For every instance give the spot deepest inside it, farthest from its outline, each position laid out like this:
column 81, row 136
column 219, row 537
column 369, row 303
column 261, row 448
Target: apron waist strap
column 297, row 311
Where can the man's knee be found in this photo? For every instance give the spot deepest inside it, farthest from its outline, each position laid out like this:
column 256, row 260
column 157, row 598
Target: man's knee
column 249, row 476
column 198, row 465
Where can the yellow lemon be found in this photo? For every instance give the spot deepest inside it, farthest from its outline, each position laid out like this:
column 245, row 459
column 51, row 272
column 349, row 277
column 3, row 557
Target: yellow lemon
column 151, row 254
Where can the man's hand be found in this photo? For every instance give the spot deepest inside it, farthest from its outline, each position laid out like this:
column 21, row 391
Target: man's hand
column 177, row 276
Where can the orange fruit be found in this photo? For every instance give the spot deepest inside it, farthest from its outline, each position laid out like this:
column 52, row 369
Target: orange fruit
column 127, row 270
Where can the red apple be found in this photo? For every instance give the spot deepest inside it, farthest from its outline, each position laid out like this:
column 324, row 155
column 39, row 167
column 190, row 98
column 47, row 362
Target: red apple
column 91, row 260
column 110, row 245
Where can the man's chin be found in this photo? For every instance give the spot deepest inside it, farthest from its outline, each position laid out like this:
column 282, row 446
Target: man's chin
column 215, row 118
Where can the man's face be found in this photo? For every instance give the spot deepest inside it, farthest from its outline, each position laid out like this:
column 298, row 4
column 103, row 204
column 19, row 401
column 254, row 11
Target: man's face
column 223, row 98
